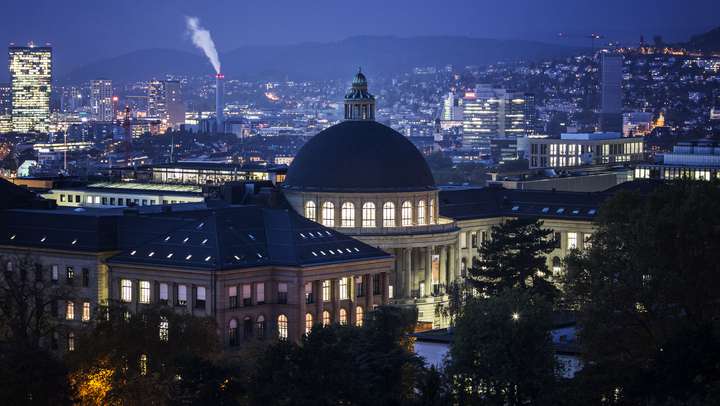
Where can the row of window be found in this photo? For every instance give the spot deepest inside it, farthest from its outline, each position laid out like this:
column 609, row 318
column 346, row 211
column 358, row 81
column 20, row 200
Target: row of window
column 145, row 296
column 425, row 214
column 70, row 310
column 70, row 275
column 111, row 201
column 572, row 239
column 246, row 291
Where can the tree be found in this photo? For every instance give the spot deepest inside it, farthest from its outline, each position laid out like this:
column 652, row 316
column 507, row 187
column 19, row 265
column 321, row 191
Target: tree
column 647, row 291
column 514, row 257
column 28, row 297
column 502, row 352
column 149, row 357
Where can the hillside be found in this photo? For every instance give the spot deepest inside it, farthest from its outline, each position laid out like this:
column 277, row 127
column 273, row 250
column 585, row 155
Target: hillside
column 706, row 42
column 322, row 60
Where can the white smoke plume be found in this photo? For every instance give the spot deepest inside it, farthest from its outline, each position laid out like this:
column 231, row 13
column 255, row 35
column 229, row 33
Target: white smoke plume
column 202, row 39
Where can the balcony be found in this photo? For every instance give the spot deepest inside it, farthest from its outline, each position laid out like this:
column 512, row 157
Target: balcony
column 443, row 225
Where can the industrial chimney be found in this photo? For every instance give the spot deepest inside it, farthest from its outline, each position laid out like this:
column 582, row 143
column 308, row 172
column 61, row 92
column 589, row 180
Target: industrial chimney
column 219, row 102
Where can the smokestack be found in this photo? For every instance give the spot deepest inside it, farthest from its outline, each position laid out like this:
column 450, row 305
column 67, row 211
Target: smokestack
column 219, row 102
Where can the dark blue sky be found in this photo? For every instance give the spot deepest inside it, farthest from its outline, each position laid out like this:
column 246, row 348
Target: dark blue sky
column 85, row 30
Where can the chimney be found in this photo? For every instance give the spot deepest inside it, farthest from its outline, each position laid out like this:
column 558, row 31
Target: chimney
column 219, row 102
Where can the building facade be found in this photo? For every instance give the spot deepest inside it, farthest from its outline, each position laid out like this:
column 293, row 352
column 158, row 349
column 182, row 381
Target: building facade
column 101, row 100
column 581, row 149
column 31, row 75
column 698, row 160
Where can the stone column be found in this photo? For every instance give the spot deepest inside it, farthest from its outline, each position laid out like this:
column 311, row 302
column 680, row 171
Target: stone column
column 443, row 268
column 454, row 263
column 407, row 280
column 369, row 290
column 384, row 285
column 302, row 306
column 335, row 298
column 317, row 296
column 428, row 269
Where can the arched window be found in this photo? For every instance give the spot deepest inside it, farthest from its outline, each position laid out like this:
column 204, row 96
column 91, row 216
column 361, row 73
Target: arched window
column 347, row 215
column 260, row 327
column 71, row 341
column 389, row 214
column 328, row 214
column 310, row 210
column 368, row 214
column 326, row 318
column 556, row 267
column 282, row 327
column 247, row 327
column 421, row 212
column 343, row 317
column 407, row 214
column 233, row 332
column 431, row 212
column 359, row 316
column 308, row 323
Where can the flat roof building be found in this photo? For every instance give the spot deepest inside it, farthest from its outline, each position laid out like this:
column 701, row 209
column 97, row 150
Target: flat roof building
column 580, row 149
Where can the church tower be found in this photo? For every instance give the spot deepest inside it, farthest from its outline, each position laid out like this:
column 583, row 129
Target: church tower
column 359, row 104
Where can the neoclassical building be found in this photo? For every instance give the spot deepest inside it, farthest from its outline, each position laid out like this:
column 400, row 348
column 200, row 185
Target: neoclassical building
column 370, row 182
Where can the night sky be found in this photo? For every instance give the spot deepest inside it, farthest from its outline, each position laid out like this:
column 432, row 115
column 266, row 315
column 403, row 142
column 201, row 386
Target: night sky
column 86, row 30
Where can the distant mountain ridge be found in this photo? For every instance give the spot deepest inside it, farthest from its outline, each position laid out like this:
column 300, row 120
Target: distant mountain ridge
column 381, row 54
column 705, row 42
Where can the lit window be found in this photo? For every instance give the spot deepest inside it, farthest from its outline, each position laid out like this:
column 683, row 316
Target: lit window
column 347, row 215
column 431, row 212
column 310, row 210
column 344, row 289
column 326, row 318
column 421, row 212
column 368, row 214
column 308, row 323
column 282, row 327
column 407, row 214
column 182, row 295
column 233, row 332
column 144, row 292
column 247, row 295
column 391, row 292
column 260, row 327
column 326, row 290
column 200, row 296
column 587, row 240
column 163, row 292
column 557, row 267
column 70, row 310
column 143, row 364
column 463, row 240
column 126, row 290
column 71, row 341
column 343, row 317
column 232, row 297
column 389, row 214
column 282, row 293
column 572, row 240
column 86, row 311
column 359, row 316
column 260, row 293
column 164, row 330
column 54, row 274
column 328, row 214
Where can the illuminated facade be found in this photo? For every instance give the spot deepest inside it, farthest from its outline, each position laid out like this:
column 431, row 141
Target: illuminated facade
column 581, row 149
column 31, row 74
column 101, row 100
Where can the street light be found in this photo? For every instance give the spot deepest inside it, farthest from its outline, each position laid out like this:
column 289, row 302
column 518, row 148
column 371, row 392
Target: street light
column 516, row 316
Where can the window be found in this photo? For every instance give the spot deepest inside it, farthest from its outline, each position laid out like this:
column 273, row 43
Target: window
column 310, row 210
column 376, row 284
column 368, row 214
column 233, row 333
column 421, row 212
column 70, row 274
column 328, row 214
column 126, row 290
column 359, row 316
column 200, row 297
column 282, row 327
column 232, row 297
column 391, row 292
column 572, row 240
column 260, row 293
column 71, row 341
column 431, row 212
column 587, row 241
column 557, row 237
column 182, row 295
column 389, row 214
column 473, row 240
column 143, row 364
column 344, row 294
column 359, row 288
column 260, row 327
column 282, row 293
column 164, row 330
column 308, row 323
column 247, row 295
column 309, row 293
column 343, row 317
column 407, row 214
column 86, row 311
column 326, row 291
column 85, row 277
column 326, row 318
column 347, row 215
column 54, row 273
column 69, row 310
column 556, row 267
column 163, row 293
column 247, row 327
column 144, row 292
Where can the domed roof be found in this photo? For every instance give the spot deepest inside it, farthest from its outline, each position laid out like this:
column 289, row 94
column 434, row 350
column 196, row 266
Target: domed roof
column 359, row 156
column 360, row 79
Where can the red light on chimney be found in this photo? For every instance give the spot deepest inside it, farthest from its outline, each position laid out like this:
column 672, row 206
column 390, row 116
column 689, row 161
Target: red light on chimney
column 220, row 76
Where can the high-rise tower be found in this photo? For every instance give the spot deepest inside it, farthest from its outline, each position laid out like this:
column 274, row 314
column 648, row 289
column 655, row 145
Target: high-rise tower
column 611, row 93
column 31, row 75
column 101, row 103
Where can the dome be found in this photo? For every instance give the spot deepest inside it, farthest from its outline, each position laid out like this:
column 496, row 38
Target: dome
column 360, row 80
column 359, row 156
